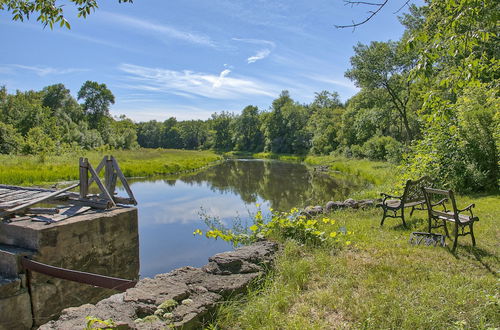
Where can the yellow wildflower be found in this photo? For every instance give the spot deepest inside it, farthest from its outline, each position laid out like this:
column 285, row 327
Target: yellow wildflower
column 333, row 234
column 197, row 232
column 348, row 243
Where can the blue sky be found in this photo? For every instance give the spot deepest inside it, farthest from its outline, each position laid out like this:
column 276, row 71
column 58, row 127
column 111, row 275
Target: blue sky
column 191, row 58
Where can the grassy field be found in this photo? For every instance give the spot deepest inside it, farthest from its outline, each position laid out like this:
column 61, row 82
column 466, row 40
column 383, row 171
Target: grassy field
column 380, row 281
column 29, row 170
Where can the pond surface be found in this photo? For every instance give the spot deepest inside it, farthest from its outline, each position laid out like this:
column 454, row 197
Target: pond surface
column 169, row 209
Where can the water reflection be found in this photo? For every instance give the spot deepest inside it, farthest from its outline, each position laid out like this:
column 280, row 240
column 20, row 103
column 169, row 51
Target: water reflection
column 169, row 209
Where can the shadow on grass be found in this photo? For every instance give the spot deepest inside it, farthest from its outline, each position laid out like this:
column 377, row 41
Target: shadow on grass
column 411, row 224
column 474, row 252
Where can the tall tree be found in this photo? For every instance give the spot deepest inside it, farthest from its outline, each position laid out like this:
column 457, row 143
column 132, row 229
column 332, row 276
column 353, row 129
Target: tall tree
column 97, row 100
column 384, row 65
column 246, row 132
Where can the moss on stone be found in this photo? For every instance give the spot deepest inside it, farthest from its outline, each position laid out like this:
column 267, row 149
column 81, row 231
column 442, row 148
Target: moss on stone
column 168, row 305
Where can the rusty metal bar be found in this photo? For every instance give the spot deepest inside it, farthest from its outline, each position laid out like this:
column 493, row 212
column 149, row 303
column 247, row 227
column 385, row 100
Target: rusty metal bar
column 77, row 276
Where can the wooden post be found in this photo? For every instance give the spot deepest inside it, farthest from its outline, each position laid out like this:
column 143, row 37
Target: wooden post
column 108, row 176
column 84, row 177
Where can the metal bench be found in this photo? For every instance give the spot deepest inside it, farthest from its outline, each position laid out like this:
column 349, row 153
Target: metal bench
column 438, row 218
column 412, row 197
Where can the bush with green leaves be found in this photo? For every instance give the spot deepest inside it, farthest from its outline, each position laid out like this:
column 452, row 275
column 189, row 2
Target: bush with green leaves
column 278, row 226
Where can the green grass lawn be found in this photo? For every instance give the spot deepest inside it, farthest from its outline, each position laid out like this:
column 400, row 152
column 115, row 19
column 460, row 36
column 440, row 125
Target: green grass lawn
column 380, row 281
column 29, row 170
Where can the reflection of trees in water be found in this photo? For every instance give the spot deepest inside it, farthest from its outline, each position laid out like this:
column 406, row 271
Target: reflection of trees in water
column 285, row 185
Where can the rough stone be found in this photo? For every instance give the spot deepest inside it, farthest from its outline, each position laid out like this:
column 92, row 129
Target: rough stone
column 183, row 298
column 9, row 309
column 102, row 242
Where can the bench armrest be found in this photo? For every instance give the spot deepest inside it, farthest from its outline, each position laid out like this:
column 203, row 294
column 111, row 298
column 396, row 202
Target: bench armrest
column 468, row 208
column 386, row 196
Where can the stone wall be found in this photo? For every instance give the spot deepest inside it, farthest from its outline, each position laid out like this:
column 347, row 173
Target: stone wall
column 100, row 242
column 183, row 298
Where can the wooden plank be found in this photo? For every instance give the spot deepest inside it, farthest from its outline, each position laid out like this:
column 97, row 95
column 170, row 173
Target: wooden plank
column 13, row 194
column 84, row 177
column 36, row 201
column 108, row 176
column 123, row 180
column 98, row 169
column 20, row 195
column 101, row 186
column 96, row 204
column 5, row 186
column 41, row 210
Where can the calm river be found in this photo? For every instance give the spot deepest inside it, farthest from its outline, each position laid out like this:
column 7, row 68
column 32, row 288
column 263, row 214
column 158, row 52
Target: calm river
column 169, row 209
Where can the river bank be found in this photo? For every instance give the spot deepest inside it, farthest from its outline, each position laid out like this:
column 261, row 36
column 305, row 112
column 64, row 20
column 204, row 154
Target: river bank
column 49, row 169
column 379, row 280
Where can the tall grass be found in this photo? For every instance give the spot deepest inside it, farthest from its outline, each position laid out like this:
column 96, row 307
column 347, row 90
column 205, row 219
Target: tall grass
column 28, row 170
column 380, row 281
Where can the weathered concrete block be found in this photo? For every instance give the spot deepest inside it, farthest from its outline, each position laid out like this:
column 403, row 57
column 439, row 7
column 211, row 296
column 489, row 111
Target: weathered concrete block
column 15, row 308
column 10, row 263
column 101, row 242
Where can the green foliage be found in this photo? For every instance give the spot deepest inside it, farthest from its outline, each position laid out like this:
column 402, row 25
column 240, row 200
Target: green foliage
column 97, row 99
column 10, row 139
column 48, row 11
column 246, row 132
column 383, row 148
column 279, row 226
column 459, row 150
column 97, row 323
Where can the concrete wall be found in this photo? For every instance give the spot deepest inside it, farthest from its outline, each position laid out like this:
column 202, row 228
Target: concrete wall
column 100, row 242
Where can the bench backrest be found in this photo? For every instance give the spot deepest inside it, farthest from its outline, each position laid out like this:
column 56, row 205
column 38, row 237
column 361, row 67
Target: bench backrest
column 413, row 189
column 429, row 193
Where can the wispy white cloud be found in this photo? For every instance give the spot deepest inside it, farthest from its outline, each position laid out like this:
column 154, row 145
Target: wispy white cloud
column 222, row 75
column 160, row 29
column 339, row 82
column 256, row 41
column 190, row 83
column 41, row 70
column 261, row 54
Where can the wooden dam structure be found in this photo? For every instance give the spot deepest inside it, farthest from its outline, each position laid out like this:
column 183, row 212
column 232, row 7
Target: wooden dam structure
column 52, row 240
column 16, row 201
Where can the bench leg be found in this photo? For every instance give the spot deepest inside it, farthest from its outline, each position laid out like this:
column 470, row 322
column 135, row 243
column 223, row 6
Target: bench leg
column 472, row 234
column 403, row 216
column 383, row 217
column 412, row 210
column 456, row 240
column 446, row 229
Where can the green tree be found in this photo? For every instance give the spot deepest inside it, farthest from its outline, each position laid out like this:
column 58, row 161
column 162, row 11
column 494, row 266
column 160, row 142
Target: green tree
column 97, row 100
column 10, row 140
column 49, row 11
column 220, row 125
column 246, row 132
column 325, row 122
column 384, row 65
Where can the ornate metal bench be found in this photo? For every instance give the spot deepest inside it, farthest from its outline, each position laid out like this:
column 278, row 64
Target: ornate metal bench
column 461, row 221
column 412, row 197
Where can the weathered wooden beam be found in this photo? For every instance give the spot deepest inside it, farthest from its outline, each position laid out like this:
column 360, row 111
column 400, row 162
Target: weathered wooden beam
column 36, row 201
column 123, row 180
column 101, row 186
column 84, row 177
column 41, row 210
